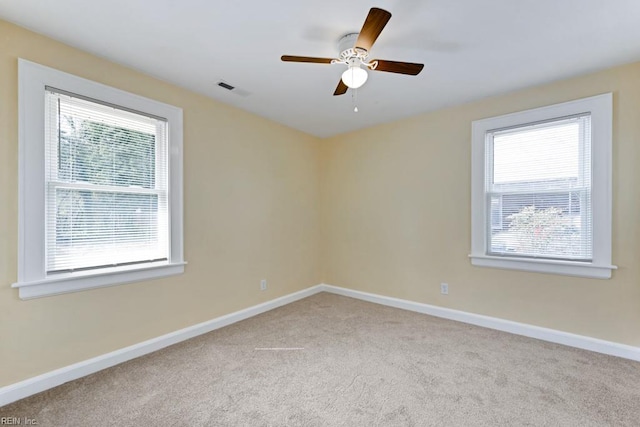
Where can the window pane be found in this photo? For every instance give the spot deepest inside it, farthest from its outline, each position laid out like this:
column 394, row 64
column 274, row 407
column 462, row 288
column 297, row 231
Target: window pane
column 539, row 195
column 541, row 225
column 549, row 153
column 104, row 228
column 105, row 155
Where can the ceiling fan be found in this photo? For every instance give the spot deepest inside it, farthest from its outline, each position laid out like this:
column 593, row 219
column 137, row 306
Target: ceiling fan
column 354, row 53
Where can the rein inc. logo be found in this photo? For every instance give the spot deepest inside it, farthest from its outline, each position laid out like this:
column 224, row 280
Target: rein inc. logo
column 18, row 421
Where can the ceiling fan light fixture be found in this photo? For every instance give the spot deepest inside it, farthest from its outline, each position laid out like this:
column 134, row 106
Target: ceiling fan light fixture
column 354, row 76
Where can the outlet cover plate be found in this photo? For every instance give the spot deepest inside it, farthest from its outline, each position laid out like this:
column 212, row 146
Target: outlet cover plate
column 444, row 288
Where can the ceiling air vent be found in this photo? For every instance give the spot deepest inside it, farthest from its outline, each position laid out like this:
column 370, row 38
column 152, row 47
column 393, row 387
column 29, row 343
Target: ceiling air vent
column 232, row 88
column 226, row 86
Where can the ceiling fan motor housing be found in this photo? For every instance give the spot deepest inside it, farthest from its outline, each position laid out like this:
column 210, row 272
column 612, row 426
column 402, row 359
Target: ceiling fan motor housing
column 347, row 49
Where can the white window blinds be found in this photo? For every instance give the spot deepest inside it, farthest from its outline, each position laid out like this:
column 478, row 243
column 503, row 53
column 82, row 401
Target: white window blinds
column 538, row 189
column 106, row 185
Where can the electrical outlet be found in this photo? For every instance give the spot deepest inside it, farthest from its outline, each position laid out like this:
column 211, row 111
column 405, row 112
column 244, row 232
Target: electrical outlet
column 263, row 284
column 444, row 288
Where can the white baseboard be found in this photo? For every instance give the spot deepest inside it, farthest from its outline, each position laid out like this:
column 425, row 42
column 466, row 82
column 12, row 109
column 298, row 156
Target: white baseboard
column 545, row 334
column 43, row 382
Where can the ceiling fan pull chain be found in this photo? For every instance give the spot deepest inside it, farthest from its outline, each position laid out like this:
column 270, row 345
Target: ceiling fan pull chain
column 354, row 99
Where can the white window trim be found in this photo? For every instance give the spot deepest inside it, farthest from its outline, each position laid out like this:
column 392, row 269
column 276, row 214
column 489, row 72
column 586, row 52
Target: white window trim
column 33, row 281
column 600, row 107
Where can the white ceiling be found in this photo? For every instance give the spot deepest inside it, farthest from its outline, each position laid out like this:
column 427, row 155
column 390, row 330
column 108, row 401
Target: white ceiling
column 471, row 49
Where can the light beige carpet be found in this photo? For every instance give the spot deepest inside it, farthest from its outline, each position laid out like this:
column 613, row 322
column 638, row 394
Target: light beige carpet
column 350, row 363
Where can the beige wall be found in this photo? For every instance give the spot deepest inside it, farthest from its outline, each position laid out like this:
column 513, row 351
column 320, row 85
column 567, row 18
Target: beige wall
column 251, row 212
column 396, row 216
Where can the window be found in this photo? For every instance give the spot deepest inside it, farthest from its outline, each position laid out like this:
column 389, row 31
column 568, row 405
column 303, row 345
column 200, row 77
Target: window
column 100, row 191
column 541, row 189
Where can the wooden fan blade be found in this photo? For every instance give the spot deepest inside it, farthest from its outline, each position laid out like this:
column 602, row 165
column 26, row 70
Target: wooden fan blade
column 372, row 27
column 290, row 58
column 409, row 68
column 341, row 89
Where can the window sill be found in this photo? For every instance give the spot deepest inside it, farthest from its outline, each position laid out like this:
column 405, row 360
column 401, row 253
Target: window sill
column 567, row 268
column 74, row 282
